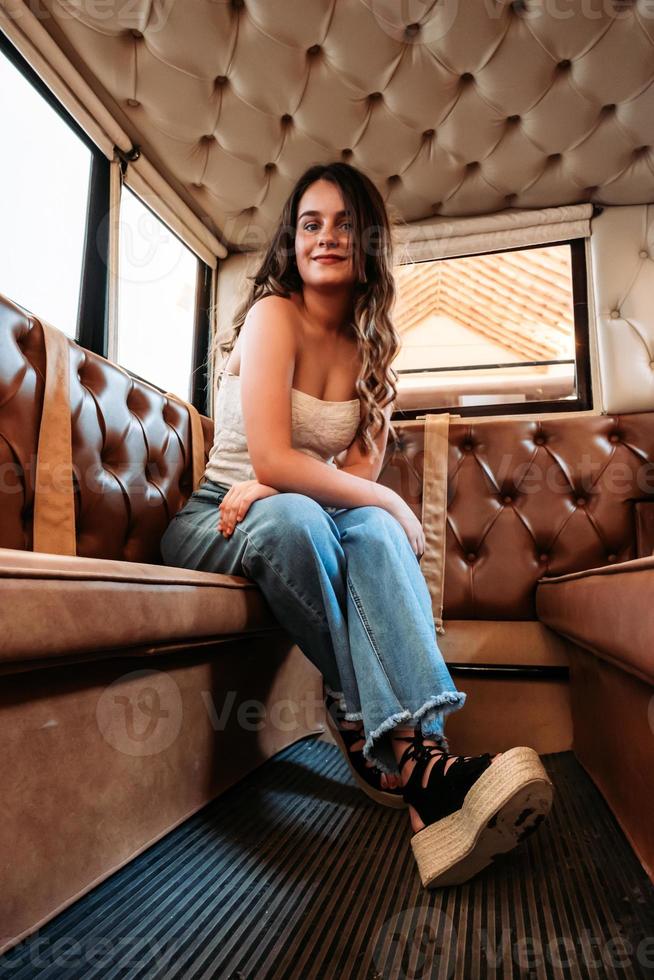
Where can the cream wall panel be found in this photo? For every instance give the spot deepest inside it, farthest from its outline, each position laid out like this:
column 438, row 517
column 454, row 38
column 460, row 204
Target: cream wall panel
column 622, row 255
column 232, row 286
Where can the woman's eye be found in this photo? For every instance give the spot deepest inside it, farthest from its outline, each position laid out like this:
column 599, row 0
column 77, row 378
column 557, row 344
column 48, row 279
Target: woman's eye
column 313, row 225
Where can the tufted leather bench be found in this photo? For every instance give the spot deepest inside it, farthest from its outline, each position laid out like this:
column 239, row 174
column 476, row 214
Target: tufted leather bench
column 609, row 613
column 527, row 501
column 132, row 693
column 550, row 533
column 64, row 608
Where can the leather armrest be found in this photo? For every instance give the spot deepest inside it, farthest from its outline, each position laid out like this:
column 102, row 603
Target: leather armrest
column 608, row 610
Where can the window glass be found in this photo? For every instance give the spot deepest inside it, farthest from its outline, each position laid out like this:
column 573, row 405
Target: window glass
column 44, row 186
column 156, row 299
column 487, row 329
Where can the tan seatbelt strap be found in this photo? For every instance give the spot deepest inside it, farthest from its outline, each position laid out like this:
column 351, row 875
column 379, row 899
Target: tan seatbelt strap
column 434, row 510
column 197, row 447
column 54, row 502
column 197, row 438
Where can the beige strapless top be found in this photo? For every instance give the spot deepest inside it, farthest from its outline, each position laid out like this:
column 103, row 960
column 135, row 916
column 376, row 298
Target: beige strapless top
column 320, row 428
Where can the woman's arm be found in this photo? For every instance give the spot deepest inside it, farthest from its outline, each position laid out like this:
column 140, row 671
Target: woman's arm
column 268, row 353
column 296, row 471
column 368, row 466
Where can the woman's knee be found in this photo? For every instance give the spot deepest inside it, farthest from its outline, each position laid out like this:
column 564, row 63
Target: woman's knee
column 377, row 522
column 287, row 516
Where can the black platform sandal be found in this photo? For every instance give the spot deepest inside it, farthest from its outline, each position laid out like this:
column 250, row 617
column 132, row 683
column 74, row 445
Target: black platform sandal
column 476, row 810
column 367, row 778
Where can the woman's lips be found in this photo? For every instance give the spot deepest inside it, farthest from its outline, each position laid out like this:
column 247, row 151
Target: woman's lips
column 328, row 259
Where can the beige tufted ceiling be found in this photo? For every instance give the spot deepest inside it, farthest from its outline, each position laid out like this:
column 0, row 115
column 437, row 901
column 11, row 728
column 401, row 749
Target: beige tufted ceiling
column 453, row 107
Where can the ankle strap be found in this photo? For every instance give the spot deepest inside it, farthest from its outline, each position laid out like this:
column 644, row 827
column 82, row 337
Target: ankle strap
column 417, row 750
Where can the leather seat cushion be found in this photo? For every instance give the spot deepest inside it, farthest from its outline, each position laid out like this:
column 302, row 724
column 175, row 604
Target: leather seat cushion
column 608, row 610
column 54, row 606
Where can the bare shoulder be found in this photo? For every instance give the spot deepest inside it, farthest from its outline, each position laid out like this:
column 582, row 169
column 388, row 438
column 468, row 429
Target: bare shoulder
column 269, row 311
column 277, row 309
column 272, row 325
column 270, row 342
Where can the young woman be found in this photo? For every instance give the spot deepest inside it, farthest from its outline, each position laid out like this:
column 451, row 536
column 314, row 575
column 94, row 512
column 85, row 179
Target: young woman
column 336, row 554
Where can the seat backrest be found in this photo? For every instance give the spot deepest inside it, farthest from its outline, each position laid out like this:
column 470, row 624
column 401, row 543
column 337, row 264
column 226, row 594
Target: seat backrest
column 532, row 498
column 131, row 447
column 525, row 498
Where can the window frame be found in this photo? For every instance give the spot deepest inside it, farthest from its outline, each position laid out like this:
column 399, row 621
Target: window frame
column 197, row 393
column 200, row 368
column 584, row 399
column 93, row 306
column 93, row 310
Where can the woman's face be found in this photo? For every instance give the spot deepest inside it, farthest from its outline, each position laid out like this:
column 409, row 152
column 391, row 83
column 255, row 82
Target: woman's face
column 323, row 237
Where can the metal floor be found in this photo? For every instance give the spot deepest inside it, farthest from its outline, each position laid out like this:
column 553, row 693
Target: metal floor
column 294, row 875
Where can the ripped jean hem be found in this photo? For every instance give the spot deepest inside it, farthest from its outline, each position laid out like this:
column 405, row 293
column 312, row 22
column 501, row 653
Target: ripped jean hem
column 339, row 697
column 428, row 715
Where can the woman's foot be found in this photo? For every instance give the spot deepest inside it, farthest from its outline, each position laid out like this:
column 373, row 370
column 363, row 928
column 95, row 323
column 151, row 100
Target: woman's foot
column 466, row 810
column 424, row 745
column 381, row 787
column 387, row 781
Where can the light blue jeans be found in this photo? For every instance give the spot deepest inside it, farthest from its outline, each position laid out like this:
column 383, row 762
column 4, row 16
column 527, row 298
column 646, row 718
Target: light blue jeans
column 347, row 587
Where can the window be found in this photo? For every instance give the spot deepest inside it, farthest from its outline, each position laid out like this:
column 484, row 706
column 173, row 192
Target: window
column 157, row 290
column 45, row 171
column 484, row 332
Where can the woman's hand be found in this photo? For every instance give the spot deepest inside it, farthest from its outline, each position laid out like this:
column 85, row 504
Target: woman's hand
column 402, row 513
column 236, row 503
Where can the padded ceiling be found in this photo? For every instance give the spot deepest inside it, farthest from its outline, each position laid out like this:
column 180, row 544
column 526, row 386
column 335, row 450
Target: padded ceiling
column 453, row 107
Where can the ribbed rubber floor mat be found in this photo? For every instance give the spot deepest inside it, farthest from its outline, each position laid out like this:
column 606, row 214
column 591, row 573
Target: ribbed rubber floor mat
column 293, row 875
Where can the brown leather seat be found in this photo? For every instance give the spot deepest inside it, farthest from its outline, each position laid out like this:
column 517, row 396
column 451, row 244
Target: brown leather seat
column 609, row 613
column 203, row 647
column 65, row 607
column 520, row 504
column 607, row 610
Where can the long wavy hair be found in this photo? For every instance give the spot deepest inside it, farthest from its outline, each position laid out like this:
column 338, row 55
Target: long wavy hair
column 374, row 289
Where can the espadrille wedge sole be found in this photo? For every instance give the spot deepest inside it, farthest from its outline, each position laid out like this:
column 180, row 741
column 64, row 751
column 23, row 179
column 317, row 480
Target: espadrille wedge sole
column 378, row 795
column 506, row 804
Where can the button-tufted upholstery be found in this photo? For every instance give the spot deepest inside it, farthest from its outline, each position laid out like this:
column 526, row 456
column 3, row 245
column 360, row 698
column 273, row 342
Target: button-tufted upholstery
column 526, row 498
column 131, row 448
column 125, row 684
column 622, row 256
column 452, row 108
column 531, row 498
